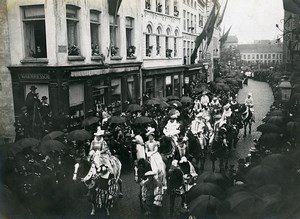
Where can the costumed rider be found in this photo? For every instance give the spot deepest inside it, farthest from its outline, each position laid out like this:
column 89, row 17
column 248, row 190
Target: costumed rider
column 234, row 105
column 151, row 193
column 172, row 128
column 215, row 104
column 250, row 104
column 200, row 128
column 226, row 116
column 197, row 105
column 204, row 99
column 189, row 173
column 157, row 164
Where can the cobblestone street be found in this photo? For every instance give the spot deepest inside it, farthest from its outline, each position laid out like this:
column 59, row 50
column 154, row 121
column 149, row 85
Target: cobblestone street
column 128, row 206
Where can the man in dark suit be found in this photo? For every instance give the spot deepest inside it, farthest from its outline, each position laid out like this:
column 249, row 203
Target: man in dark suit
column 25, row 122
column 31, row 99
column 45, row 109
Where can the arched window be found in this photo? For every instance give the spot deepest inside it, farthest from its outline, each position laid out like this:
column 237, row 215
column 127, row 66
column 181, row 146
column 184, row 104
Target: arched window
column 175, row 42
column 159, row 32
column 168, row 51
column 148, row 46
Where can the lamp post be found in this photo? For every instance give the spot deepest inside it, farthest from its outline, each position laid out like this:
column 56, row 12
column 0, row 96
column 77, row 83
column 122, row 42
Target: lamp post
column 285, row 91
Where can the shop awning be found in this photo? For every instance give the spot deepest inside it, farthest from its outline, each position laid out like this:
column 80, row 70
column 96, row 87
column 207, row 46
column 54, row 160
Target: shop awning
column 100, row 87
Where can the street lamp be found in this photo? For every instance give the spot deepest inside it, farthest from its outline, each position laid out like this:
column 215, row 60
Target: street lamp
column 285, row 91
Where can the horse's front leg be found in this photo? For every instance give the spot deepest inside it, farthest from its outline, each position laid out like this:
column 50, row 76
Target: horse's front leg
column 172, row 202
column 120, row 182
column 250, row 127
column 245, row 130
column 93, row 209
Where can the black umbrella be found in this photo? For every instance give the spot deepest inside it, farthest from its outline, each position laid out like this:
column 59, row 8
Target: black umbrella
column 142, row 120
column 134, row 108
column 51, row 145
column 79, row 135
column 186, row 99
column 269, row 128
column 116, row 120
column 204, row 189
column 153, row 101
column 173, row 97
column 278, row 162
column 52, row 135
column 90, row 121
column 215, row 178
column 28, row 142
column 262, row 175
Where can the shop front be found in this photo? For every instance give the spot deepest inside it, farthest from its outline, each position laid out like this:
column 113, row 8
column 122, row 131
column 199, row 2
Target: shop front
column 162, row 82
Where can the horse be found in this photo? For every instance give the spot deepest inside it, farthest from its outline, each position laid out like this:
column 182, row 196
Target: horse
column 218, row 148
column 246, row 116
column 167, row 150
column 114, row 167
column 233, row 129
column 196, row 152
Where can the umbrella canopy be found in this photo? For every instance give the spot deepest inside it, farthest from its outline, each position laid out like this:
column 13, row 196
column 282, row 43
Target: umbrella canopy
column 79, row 135
column 162, row 99
column 205, row 206
column 175, row 102
column 215, row 178
column 276, row 113
column 269, row 128
column 270, row 140
column 164, row 104
column 134, row 108
column 278, row 162
column 116, row 120
column 276, row 120
column 90, row 121
column 204, row 189
column 153, row 101
column 142, row 120
column 9, row 150
column 262, row 175
column 186, row 99
column 293, row 127
column 246, row 204
column 28, row 142
column 51, row 145
column 52, row 135
column 173, row 97
column 197, row 90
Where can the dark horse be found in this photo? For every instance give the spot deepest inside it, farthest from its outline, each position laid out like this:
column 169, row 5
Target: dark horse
column 167, row 150
column 196, row 153
column 246, row 116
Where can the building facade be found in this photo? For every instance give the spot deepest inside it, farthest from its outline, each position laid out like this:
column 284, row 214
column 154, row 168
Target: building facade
column 269, row 53
column 76, row 53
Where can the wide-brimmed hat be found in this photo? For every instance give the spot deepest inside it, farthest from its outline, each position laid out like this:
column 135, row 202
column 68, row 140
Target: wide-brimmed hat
column 150, row 173
column 99, row 132
column 216, row 117
column 215, row 98
column 199, row 115
column 249, row 94
column 103, row 170
column 183, row 160
column 44, row 98
column 173, row 116
column 150, row 131
column 174, row 163
column 33, row 87
column 205, row 92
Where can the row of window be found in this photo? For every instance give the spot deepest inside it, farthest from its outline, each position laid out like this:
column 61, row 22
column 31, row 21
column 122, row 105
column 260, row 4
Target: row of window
column 191, row 3
column 35, row 32
column 263, row 56
column 159, row 6
column 268, row 61
column 188, row 48
column 190, row 22
column 159, row 40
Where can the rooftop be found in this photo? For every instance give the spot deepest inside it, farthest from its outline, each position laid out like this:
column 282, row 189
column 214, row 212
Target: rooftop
column 260, row 48
column 232, row 39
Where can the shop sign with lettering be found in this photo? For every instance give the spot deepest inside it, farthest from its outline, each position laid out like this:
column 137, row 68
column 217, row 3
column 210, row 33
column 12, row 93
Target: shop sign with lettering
column 33, row 76
column 85, row 73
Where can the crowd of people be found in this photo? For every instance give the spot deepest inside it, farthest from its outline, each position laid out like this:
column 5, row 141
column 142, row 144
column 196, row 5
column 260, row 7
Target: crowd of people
column 167, row 133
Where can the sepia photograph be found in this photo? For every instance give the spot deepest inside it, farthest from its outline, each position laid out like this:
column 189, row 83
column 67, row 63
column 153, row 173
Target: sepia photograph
column 150, row 109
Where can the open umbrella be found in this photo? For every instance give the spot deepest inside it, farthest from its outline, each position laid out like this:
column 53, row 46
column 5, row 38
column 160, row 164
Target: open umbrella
column 186, row 99
column 142, row 120
column 269, row 128
column 153, row 101
column 293, row 127
column 164, row 104
column 204, row 189
column 205, row 206
column 245, row 204
column 162, row 99
column 90, row 121
column 51, row 145
column 173, row 97
column 270, row 140
column 276, row 113
column 79, row 135
column 262, row 175
column 116, row 120
column 52, row 135
column 134, row 108
column 28, row 142
column 215, row 178
column 175, row 102
column 9, row 150
column 278, row 162
column 276, row 120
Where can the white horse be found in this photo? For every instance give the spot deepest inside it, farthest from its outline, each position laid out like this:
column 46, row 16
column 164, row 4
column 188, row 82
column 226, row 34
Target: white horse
column 114, row 167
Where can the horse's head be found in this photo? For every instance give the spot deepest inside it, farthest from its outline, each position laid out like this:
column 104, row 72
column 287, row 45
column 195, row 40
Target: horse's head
column 141, row 167
column 165, row 144
column 175, row 178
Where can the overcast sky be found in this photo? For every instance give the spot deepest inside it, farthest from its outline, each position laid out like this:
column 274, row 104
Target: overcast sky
column 253, row 19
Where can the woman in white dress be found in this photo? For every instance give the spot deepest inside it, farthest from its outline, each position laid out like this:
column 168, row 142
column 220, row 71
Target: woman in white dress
column 140, row 146
column 157, row 164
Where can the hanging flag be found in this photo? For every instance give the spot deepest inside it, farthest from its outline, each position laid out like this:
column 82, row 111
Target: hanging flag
column 202, row 36
column 292, row 6
column 211, row 29
column 224, row 37
column 113, row 6
column 222, row 16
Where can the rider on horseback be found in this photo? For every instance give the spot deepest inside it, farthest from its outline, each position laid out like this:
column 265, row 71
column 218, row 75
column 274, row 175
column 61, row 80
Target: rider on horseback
column 199, row 129
column 172, row 128
column 249, row 103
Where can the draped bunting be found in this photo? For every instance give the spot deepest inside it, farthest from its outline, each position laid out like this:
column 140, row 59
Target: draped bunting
column 222, row 16
column 113, row 6
column 224, row 37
